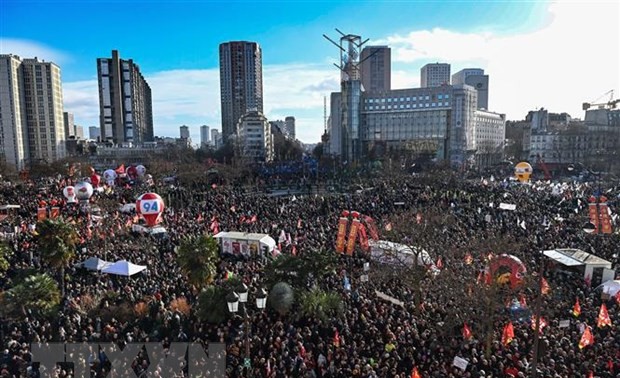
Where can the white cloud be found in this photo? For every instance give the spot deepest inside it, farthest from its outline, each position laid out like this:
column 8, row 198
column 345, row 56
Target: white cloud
column 573, row 59
column 30, row 49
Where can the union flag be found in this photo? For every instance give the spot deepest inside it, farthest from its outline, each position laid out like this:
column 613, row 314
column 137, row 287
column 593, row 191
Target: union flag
column 603, row 317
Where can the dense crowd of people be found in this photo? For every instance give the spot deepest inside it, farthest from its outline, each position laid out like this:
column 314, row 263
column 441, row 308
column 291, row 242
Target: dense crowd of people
column 449, row 217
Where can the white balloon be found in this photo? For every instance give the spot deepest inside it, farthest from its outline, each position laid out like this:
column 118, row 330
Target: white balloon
column 70, row 194
column 83, row 191
column 110, row 175
column 141, row 170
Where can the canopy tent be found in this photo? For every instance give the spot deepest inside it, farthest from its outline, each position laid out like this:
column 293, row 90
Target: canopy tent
column 611, row 287
column 94, row 264
column 387, row 252
column 572, row 257
column 235, row 243
column 128, row 208
column 123, row 268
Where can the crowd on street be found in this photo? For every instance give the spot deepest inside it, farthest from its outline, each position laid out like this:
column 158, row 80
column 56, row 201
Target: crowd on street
column 451, row 218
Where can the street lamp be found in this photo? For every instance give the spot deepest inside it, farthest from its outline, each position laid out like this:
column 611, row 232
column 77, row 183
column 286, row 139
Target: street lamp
column 241, row 296
column 261, row 299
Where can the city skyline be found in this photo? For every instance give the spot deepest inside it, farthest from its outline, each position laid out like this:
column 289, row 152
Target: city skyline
column 535, row 53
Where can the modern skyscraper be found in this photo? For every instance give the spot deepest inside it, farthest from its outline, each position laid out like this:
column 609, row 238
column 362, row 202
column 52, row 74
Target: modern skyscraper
column 125, row 104
column 204, row 136
column 184, row 132
column 476, row 78
column 32, row 123
column 241, row 83
column 376, row 68
column 79, row 132
column 434, row 75
column 289, row 123
column 69, row 124
column 94, row 133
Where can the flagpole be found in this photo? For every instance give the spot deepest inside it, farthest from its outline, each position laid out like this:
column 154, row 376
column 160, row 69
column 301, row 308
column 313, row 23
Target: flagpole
column 538, row 311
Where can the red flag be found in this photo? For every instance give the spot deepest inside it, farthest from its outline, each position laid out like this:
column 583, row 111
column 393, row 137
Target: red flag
column 253, row 219
column 299, row 223
column 468, row 259
column 541, row 326
column 508, row 334
column 415, row 374
column 544, row 286
column 336, row 339
column 576, row 308
column 199, row 217
column 591, row 374
column 586, row 338
column 294, row 251
column 439, row 263
column 120, row 169
column 467, row 332
column 522, row 301
column 388, row 227
column 603, row 317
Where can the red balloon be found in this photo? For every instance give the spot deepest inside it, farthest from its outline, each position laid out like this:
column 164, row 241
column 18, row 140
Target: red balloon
column 95, row 179
column 132, row 172
column 150, row 206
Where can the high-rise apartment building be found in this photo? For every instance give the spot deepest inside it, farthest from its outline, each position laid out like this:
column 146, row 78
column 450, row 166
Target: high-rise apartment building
column 13, row 128
column 79, row 132
column 241, row 83
column 289, row 125
column 476, row 78
column 94, row 133
column 69, row 124
column 254, row 137
column 434, row 75
column 125, row 104
column 376, row 68
column 184, row 132
column 31, row 114
column 216, row 138
column 204, row 136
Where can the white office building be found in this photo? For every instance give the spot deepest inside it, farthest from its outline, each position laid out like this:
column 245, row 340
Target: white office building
column 254, row 139
column 435, row 75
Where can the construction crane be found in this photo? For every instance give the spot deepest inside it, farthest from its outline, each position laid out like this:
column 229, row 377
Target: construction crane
column 611, row 104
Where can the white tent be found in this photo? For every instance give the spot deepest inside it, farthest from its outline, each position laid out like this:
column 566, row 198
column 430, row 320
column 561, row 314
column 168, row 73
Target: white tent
column 128, row 208
column 387, row 252
column 236, row 243
column 611, row 287
column 123, row 268
column 572, row 257
column 94, row 263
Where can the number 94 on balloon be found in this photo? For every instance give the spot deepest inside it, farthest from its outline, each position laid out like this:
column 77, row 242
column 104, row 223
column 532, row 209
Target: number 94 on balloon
column 150, row 206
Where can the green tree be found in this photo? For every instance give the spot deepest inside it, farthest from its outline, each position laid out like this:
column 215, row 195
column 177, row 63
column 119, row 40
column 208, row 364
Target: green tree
column 38, row 293
column 212, row 306
column 198, row 258
column 57, row 243
column 281, row 298
column 320, row 304
column 300, row 271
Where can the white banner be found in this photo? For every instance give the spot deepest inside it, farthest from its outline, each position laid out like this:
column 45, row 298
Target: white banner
column 460, row 363
column 389, row 298
column 507, row 206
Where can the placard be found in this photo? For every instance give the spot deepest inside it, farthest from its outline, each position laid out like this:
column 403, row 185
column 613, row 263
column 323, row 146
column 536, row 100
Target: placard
column 460, row 363
column 564, row 323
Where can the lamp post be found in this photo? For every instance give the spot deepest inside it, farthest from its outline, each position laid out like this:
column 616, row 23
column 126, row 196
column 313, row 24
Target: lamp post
column 241, row 296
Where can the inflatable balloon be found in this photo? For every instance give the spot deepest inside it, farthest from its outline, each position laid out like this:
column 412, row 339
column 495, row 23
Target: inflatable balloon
column 110, row 175
column 507, row 269
column 95, row 179
column 523, row 171
column 150, row 206
column 70, row 194
column 132, row 172
column 141, row 170
column 83, row 191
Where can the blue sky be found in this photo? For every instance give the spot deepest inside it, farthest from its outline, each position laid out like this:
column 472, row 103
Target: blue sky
column 176, row 45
